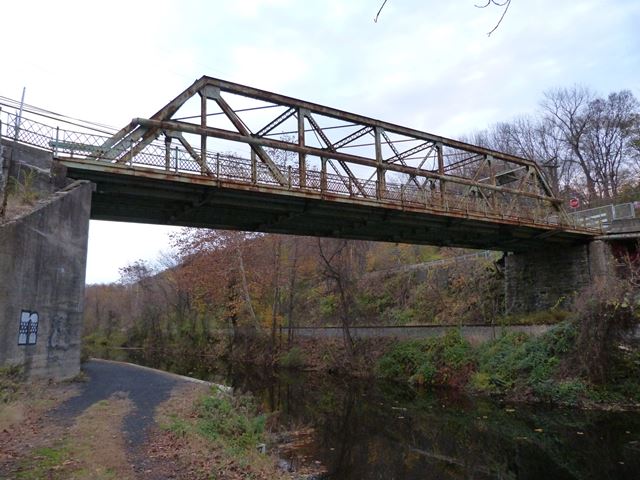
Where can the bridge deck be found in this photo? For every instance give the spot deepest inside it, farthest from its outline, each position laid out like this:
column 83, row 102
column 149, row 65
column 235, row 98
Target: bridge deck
column 143, row 195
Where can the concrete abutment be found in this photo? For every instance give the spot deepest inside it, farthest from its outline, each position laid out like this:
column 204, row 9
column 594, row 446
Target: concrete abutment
column 43, row 252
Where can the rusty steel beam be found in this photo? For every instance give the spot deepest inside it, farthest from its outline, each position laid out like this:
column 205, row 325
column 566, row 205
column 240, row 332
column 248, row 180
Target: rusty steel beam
column 337, row 114
column 169, row 188
column 142, row 137
column 319, row 152
column 290, row 112
column 244, row 131
column 331, row 148
column 353, row 137
column 459, row 178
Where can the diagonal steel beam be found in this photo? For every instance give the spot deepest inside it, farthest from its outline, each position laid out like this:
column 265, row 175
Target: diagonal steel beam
column 278, row 121
column 331, row 148
column 141, row 137
column 242, row 128
column 199, row 159
column 351, row 138
column 407, row 153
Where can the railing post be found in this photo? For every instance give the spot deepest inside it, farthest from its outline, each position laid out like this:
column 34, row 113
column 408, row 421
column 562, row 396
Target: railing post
column 55, row 145
column 323, row 174
column 218, row 166
column 19, row 117
column 289, row 174
column 131, row 152
column 176, row 158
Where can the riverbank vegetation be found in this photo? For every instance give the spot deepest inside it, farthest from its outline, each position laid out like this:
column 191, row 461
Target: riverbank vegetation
column 232, row 296
column 588, row 360
column 208, row 433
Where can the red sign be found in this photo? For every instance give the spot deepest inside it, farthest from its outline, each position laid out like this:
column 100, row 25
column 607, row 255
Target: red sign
column 574, row 203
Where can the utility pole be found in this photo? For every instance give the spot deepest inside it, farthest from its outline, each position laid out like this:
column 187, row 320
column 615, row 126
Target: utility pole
column 7, row 160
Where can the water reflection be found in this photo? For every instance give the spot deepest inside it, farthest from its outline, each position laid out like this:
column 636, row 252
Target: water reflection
column 383, row 430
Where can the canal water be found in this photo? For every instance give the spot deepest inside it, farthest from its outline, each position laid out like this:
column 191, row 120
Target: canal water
column 373, row 429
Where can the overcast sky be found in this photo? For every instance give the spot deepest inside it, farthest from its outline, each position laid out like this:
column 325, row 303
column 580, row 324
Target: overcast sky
column 426, row 64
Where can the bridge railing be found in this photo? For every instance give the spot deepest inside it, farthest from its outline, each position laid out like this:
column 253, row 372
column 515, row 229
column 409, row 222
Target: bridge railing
column 601, row 217
column 160, row 156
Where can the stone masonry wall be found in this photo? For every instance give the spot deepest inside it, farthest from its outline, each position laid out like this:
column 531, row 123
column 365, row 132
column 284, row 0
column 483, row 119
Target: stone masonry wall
column 542, row 279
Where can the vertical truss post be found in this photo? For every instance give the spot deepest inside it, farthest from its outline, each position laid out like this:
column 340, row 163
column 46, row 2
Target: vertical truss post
column 441, row 172
column 380, row 172
column 203, row 137
column 254, row 167
column 492, row 176
column 176, row 158
column 167, row 153
column 323, row 174
column 302, row 158
column 131, row 154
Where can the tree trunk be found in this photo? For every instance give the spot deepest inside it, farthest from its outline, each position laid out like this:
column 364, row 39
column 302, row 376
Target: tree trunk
column 276, row 292
column 292, row 285
column 245, row 288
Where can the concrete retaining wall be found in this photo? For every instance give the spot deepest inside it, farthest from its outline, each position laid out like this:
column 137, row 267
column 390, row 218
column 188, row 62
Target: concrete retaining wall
column 42, row 272
column 473, row 333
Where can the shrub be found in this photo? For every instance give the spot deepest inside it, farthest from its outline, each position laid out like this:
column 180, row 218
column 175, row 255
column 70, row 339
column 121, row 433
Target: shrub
column 425, row 375
column 403, row 360
column 293, row 358
column 431, row 361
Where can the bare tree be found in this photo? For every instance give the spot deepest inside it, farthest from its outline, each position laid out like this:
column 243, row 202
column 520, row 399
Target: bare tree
column 339, row 265
column 596, row 133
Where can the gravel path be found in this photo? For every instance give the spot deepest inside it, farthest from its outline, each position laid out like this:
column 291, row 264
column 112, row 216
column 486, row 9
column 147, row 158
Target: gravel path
column 146, row 388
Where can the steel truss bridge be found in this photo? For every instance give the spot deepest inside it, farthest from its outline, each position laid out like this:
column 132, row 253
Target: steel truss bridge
column 225, row 155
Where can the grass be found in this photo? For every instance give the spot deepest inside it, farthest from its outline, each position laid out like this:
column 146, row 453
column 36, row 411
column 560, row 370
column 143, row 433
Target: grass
column 43, row 463
column 23, row 187
column 93, row 448
column 215, row 435
column 232, row 421
column 227, row 421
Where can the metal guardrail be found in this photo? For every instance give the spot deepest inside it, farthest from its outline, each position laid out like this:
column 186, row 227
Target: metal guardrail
column 601, row 217
column 156, row 156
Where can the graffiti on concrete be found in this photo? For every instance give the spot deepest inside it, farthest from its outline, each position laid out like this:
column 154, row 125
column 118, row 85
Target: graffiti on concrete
column 28, row 331
column 60, row 336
